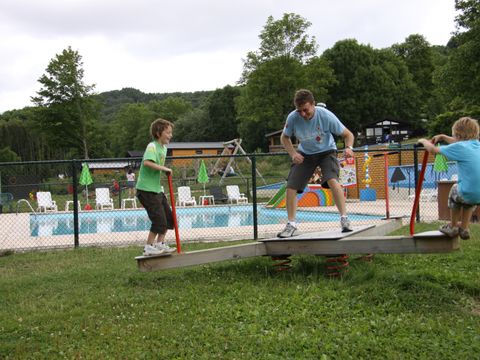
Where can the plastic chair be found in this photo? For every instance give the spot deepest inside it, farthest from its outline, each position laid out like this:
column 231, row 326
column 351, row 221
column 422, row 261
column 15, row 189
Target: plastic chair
column 218, row 195
column 103, row 199
column 45, row 202
column 185, row 197
column 234, row 195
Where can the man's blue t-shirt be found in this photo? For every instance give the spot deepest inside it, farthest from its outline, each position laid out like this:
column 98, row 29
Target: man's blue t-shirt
column 467, row 155
column 315, row 135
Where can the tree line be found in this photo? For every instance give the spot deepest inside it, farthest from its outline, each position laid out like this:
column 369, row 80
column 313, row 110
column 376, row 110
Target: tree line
column 415, row 82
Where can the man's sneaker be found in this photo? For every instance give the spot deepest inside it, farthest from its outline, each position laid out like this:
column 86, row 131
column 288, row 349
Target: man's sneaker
column 449, row 231
column 345, row 224
column 149, row 250
column 464, row 234
column 288, row 231
column 164, row 247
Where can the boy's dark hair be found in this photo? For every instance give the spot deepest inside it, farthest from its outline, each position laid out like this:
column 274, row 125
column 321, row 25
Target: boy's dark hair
column 302, row 97
column 465, row 128
column 159, row 126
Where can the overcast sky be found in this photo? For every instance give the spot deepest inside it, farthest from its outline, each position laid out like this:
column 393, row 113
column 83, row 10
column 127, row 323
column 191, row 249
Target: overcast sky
column 185, row 45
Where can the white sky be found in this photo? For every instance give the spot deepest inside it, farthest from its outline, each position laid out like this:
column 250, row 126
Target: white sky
column 185, row 45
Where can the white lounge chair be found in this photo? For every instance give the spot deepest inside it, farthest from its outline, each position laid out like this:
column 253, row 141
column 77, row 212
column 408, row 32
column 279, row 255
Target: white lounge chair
column 103, row 199
column 45, row 202
column 234, row 195
column 426, row 195
column 185, row 197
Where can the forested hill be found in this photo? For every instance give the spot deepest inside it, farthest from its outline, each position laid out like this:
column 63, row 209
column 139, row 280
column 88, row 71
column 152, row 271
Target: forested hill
column 113, row 100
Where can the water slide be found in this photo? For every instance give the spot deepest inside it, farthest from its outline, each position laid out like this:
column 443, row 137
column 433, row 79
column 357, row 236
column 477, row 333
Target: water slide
column 311, row 197
column 278, row 197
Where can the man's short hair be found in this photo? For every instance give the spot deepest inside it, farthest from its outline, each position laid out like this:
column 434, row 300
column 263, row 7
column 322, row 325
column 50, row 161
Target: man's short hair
column 302, row 97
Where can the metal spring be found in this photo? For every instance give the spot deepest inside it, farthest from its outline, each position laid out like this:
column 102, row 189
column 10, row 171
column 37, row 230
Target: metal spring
column 337, row 265
column 283, row 264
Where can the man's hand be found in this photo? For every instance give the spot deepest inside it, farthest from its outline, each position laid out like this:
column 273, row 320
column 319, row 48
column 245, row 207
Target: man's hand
column 297, row 158
column 348, row 152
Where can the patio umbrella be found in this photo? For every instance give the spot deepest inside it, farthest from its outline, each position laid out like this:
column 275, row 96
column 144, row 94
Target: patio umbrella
column 85, row 178
column 440, row 164
column 202, row 177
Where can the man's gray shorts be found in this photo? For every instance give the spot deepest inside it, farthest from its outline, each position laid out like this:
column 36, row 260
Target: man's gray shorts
column 455, row 201
column 301, row 173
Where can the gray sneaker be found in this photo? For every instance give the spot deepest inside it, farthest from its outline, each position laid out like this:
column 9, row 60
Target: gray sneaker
column 288, row 231
column 345, row 224
column 449, row 231
column 464, row 234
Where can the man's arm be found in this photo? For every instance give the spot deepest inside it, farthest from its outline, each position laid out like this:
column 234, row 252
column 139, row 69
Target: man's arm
column 348, row 140
column 287, row 144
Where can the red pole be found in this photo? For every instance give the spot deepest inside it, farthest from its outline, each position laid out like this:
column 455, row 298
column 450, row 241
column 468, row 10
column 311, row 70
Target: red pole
column 417, row 193
column 174, row 212
column 387, row 205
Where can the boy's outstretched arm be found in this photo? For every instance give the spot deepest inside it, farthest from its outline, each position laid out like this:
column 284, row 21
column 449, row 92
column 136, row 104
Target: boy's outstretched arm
column 443, row 138
column 429, row 146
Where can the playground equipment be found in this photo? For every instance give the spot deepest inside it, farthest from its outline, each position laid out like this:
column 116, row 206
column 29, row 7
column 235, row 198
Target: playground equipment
column 367, row 194
column 314, row 195
column 217, row 168
column 363, row 240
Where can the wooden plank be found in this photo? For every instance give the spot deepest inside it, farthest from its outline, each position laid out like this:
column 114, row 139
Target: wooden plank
column 321, row 235
column 365, row 245
column 151, row 263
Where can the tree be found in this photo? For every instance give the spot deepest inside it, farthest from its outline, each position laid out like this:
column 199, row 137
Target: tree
column 67, row 113
column 170, row 108
column 418, row 55
column 284, row 38
column 371, row 85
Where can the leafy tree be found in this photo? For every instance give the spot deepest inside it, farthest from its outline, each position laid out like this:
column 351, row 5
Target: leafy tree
column 192, row 126
column 132, row 124
column 418, row 56
column 67, row 113
column 286, row 38
column 170, row 108
column 460, row 77
column 221, row 115
column 371, row 85
column 7, row 155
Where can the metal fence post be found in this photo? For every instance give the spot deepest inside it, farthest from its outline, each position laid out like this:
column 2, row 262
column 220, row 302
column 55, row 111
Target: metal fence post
column 75, row 205
column 254, row 196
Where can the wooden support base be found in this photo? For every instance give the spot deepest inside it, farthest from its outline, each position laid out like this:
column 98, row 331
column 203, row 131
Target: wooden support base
column 363, row 240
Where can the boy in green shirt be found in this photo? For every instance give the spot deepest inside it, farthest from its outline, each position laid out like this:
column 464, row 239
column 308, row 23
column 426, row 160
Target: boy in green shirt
column 149, row 190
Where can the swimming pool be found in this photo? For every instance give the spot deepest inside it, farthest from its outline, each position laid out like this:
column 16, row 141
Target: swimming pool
column 95, row 222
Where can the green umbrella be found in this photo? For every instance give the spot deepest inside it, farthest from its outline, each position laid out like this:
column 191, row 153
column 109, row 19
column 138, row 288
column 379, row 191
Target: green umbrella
column 85, row 178
column 440, row 163
column 202, row 175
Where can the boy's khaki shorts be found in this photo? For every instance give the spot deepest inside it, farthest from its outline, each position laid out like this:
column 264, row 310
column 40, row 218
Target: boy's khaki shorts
column 455, row 201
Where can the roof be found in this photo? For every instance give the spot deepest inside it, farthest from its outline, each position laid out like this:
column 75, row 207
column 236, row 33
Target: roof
column 386, row 122
column 274, row 133
column 108, row 165
column 184, row 145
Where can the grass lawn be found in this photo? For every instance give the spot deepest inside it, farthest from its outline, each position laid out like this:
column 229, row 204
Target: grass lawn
column 94, row 304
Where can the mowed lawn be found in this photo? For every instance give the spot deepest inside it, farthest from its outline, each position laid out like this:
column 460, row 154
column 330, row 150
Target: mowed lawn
column 93, row 303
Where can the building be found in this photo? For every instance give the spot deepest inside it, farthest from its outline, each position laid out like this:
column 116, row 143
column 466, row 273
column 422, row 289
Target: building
column 385, row 131
column 274, row 144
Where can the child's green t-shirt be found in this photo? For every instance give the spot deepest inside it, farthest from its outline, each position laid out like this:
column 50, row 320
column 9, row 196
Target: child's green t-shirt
column 148, row 178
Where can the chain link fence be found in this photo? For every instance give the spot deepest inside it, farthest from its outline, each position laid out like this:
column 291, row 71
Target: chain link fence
column 48, row 204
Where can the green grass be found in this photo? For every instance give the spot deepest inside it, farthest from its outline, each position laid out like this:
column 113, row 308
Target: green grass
column 94, row 304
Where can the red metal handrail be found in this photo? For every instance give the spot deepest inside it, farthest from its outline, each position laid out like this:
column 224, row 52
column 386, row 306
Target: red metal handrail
column 174, row 212
column 418, row 190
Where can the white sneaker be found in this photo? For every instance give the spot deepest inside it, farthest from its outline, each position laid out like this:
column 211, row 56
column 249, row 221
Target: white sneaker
column 165, row 247
column 150, row 250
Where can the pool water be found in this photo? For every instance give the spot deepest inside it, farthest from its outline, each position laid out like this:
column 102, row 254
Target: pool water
column 93, row 222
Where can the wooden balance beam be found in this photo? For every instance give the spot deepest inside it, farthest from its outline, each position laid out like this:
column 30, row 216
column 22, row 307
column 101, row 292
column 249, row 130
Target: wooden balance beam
column 363, row 240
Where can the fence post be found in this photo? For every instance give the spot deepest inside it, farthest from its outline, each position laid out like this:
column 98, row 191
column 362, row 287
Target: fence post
column 415, row 176
column 75, row 205
column 254, row 196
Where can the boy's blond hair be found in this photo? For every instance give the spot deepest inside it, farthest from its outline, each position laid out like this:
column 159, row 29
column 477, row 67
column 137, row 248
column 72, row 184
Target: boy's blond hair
column 158, row 126
column 465, row 128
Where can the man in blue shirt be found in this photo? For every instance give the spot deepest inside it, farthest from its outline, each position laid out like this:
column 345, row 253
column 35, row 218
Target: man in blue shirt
column 314, row 127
